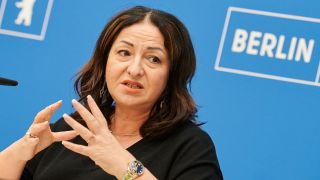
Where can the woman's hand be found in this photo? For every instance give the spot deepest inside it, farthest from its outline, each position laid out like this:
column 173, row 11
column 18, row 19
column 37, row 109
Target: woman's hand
column 40, row 136
column 103, row 148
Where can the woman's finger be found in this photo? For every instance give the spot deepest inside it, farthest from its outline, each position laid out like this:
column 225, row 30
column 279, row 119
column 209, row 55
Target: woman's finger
column 37, row 128
column 85, row 133
column 84, row 150
column 65, row 135
column 32, row 141
column 97, row 112
column 90, row 120
column 46, row 113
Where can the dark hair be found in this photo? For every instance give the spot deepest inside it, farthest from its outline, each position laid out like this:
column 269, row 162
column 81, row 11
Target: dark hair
column 175, row 105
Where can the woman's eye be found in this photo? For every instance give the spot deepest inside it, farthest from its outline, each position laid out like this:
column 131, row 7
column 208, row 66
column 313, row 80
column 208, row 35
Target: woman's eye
column 124, row 53
column 154, row 59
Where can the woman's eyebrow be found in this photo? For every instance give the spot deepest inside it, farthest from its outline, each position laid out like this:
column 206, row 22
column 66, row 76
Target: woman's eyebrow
column 126, row 42
column 149, row 48
column 156, row 48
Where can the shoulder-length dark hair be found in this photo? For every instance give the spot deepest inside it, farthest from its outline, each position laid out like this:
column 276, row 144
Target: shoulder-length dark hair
column 175, row 105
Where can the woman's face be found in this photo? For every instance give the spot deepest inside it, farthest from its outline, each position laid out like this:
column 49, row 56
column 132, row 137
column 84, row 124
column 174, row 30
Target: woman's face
column 137, row 66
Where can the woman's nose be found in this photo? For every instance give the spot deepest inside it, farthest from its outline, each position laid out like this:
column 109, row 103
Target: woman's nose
column 135, row 68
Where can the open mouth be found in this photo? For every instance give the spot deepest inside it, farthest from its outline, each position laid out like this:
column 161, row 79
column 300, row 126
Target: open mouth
column 133, row 85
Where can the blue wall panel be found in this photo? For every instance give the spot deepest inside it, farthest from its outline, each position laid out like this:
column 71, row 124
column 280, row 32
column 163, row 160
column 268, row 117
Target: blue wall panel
column 263, row 128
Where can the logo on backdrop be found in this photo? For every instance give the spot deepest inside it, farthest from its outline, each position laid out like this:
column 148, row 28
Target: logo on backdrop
column 25, row 14
column 25, row 18
column 270, row 45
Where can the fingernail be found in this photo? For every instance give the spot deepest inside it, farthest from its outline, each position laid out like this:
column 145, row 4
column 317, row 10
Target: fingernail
column 65, row 115
column 89, row 96
column 65, row 143
column 56, row 103
column 74, row 101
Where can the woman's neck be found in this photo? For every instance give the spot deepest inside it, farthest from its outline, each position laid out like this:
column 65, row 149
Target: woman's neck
column 127, row 122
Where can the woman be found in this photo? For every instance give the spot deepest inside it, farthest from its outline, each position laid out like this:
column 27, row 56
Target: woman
column 135, row 117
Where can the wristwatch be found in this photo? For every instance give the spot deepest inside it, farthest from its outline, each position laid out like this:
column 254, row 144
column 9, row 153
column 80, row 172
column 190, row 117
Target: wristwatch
column 135, row 169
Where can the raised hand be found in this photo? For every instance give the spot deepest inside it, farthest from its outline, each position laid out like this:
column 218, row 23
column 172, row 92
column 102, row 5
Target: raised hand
column 103, row 148
column 40, row 136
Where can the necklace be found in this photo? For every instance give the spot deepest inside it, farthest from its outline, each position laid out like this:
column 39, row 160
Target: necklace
column 125, row 134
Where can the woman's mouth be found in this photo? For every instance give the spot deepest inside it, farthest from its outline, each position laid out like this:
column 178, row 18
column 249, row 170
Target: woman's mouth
column 133, row 84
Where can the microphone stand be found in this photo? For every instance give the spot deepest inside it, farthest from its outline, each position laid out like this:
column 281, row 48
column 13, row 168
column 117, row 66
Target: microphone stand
column 8, row 82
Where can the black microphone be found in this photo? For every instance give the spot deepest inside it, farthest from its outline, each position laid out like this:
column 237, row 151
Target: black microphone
column 8, row 82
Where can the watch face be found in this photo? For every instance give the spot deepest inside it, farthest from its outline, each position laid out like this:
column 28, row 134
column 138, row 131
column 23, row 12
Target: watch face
column 136, row 167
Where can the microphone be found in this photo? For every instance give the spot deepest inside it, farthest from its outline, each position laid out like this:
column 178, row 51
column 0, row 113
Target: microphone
column 8, row 82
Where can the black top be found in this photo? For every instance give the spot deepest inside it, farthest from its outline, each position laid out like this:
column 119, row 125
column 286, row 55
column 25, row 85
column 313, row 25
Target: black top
column 187, row 153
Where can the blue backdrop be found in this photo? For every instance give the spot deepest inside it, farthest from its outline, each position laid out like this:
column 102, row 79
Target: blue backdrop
column 261, row 112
